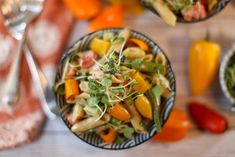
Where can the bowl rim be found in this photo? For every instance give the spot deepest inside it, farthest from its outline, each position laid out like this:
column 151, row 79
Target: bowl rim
column 67, row 52
column 181, row 20
column 223, row 66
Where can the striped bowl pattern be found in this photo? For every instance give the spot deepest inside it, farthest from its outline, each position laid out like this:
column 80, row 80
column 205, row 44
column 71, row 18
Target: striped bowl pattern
column 94, row 139
column 218, row 8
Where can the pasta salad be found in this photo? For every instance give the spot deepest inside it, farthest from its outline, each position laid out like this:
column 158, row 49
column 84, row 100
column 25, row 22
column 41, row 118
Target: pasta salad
column 189, row 10
column 114, row 88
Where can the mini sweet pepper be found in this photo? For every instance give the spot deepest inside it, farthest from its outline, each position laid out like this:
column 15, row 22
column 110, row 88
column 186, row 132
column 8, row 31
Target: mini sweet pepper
column 203, row 64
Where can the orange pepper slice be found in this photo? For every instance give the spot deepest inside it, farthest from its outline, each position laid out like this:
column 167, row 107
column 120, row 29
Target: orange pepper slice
column 141, row 44
column 83, row 9
column 142, row 85
column 175, row 129
column 119, row 112
column 108, row 135
column 112, row 16
column 71, row 89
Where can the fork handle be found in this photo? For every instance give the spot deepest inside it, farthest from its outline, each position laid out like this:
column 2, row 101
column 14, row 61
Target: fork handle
column 11, row 87
column 40, row 84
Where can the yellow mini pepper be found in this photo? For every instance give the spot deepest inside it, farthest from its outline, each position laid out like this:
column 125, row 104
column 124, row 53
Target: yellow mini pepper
column 144, row 106
column 203, row 64
column 100, row 46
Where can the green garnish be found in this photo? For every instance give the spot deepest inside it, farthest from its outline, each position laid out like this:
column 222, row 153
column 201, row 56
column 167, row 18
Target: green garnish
column 230, row 76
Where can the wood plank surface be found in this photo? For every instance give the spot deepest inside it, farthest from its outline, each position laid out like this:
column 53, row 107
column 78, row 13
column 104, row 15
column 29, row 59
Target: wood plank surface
column 57, row 141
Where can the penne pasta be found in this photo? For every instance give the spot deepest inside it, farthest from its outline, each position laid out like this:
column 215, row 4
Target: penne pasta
column 136, row 119
column 148, row 57
column 160, row 59
column 90, row 123
column 134, row 52
column 84, row 87
column 78, row 112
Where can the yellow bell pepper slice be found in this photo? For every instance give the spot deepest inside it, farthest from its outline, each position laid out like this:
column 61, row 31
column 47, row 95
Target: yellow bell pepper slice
column 142, row 85
column 144, row 106
column 100, row 46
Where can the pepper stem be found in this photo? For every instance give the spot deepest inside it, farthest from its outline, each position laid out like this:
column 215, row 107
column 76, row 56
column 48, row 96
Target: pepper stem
column 208, row 36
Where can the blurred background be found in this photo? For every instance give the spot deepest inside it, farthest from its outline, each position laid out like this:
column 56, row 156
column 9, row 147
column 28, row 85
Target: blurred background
column 27, row 132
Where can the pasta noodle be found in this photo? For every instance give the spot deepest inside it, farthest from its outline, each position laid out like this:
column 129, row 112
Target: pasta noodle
column 148, row 57
column 134, row 52
column 136, row 119
column 89, row 123
column 78, row 112
column 84, row 86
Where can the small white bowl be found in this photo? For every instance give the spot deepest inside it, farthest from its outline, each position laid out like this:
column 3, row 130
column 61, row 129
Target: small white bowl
column 223, row 85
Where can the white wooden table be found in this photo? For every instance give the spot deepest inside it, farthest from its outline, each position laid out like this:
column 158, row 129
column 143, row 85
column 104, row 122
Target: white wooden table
column 58, row 141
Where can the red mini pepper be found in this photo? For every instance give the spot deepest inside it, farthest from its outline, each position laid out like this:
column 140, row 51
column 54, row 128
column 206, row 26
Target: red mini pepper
column 207, row 119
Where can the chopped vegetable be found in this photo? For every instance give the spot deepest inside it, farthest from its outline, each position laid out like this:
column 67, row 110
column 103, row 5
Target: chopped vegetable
column 108, row 136
column 71, row 89
column 88, row 59
column 119, row 112
column 112, row 16
column 203, row 64
column 154, row 95
column 100, row 46
column 83, row 9
column 207, row 119
column 144, row 107
column 139, row 43
column 142, row 85
column 176, row 127
column 144, row 66
column 193, row 12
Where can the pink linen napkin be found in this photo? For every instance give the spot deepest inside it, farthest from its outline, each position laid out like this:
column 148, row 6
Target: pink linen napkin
column 47, row 37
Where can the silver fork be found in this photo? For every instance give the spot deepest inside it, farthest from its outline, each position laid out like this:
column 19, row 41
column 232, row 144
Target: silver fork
column 17, row 15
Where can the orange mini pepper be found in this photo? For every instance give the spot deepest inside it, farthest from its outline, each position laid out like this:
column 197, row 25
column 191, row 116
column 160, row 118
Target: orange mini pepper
column 71, row 89
column 112, row 16
column 142, row 85
column 176, row 127
column 83, row 9
column 119, row 112
column 139, row 43
column 108, row 135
